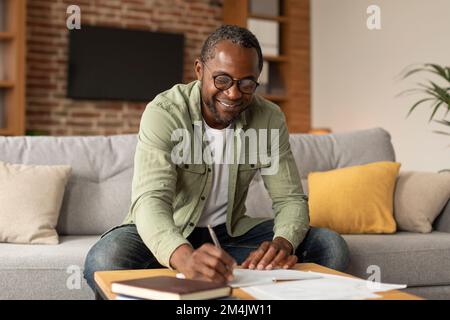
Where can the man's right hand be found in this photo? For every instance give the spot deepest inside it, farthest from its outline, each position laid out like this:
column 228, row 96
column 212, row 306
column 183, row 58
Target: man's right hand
column 205, row 263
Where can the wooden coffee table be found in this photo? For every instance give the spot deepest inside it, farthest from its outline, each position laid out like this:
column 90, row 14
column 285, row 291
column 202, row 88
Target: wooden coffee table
column 103, row 280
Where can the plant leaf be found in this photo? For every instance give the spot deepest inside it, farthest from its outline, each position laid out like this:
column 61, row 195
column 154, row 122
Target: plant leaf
column 444, row 122
column 438, row 70
column 411, row 91
column 443, row 72
column 442, row 132
column 436, row 107
column 405, row 73
column 437, row 93
column 416, row 104
column 440, row 91
column 411, row 72
column 424, row 89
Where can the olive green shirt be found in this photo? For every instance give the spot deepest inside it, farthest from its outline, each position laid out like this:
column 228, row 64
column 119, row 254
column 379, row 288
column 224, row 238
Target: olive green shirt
column 168, row 196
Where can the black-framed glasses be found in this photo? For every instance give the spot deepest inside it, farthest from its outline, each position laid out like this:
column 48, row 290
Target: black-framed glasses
column 224, row 82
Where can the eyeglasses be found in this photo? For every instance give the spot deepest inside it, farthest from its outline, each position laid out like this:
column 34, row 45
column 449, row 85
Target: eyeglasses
column 224, row 82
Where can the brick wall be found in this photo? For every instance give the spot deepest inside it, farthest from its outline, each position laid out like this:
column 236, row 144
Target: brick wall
column 48, row 109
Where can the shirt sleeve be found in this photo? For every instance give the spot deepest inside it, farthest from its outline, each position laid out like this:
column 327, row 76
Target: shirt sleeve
column 284, row 186
column 153, row 186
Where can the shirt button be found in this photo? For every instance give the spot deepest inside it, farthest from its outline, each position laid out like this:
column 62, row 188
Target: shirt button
column 202, row 197
column 191, row 224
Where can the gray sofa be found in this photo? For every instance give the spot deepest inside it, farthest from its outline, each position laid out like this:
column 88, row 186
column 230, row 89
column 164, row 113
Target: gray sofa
column 98, row 194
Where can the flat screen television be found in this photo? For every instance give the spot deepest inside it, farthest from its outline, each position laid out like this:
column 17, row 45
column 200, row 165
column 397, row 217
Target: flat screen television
column 117, row 64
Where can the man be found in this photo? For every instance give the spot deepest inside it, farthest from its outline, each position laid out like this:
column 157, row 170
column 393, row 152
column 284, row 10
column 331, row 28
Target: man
column 174, row 201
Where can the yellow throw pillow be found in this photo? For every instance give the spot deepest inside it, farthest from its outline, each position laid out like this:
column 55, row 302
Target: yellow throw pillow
column 358, row 199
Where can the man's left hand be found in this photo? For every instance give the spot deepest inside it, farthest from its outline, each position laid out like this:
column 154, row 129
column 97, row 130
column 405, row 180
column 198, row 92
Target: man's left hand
column 271, row 254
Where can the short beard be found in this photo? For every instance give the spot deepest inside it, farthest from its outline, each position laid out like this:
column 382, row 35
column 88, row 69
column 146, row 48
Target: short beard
column 212, row 107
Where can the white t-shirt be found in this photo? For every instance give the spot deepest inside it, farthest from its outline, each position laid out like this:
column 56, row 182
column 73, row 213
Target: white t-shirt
column 215, row 210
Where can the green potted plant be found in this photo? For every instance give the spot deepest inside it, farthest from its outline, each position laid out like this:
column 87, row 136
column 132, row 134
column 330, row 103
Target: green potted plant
column 438, row 96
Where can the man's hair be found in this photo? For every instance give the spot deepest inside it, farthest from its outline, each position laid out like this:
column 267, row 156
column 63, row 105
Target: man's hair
column 235, row 34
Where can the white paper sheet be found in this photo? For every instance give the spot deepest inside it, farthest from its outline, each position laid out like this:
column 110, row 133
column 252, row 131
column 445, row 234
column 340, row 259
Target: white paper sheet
column 248, row 277
column 366, row 284
column 329, row 287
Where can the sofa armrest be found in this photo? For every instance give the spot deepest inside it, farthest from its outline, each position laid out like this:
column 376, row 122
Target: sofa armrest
column 442, row 223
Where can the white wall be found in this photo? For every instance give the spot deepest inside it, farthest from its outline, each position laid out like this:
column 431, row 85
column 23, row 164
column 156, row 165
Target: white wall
column 355, row 72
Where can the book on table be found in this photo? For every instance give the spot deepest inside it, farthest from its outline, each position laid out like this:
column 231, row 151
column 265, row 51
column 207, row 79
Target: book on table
column 170, row 288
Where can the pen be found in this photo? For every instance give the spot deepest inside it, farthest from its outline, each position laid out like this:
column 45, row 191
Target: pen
column 214, row 237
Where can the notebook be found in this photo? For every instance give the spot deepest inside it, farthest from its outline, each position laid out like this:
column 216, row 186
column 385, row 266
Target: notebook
column 170, row 288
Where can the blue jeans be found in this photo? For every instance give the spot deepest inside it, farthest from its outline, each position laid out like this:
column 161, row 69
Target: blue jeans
column 123, row 248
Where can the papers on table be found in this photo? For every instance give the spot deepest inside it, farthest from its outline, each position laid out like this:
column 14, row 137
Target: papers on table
column 328, row 287
column 281, row 284
column 248, row 277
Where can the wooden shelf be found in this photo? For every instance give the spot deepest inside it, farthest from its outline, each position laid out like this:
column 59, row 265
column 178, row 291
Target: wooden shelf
column 289, row 73
column 6, row 84
column 280, row 58
column 13, row 60
column 281, row 19
column 6, row 35
column 6, row 132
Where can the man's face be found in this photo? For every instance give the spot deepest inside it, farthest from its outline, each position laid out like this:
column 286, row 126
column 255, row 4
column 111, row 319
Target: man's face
column 220, row 108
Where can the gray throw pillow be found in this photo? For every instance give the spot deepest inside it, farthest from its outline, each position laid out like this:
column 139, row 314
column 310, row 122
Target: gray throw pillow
column 419, row 198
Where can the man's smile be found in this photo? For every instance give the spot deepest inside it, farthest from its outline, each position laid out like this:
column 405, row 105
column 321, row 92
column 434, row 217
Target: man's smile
column 228, row 105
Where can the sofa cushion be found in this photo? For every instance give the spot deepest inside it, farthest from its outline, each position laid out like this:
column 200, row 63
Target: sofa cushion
column 419, row 198
column 404, row 257
column 98, row 193
column 70, row 251
column 44, row 272
column 356, row 199
column 339, row 150
column 31, row 197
